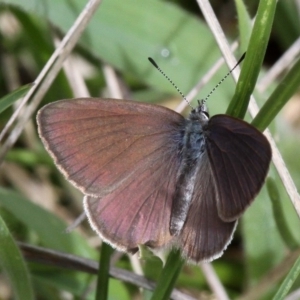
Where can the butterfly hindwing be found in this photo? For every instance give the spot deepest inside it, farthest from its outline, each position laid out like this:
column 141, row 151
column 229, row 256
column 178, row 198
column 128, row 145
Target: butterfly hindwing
column 204, row 235
column 137, row 213
column 240, row 156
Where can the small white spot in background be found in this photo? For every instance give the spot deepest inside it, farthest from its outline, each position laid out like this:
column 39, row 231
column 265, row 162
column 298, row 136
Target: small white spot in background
column 165, row 52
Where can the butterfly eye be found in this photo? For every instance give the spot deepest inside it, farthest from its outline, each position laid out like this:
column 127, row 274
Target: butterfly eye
column 205, row 113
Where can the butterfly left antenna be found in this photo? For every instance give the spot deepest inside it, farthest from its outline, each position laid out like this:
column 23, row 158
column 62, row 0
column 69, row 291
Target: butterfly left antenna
column 169, row 79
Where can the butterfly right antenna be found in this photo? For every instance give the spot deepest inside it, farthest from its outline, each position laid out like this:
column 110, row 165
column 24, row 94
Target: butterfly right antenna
column 221, row 81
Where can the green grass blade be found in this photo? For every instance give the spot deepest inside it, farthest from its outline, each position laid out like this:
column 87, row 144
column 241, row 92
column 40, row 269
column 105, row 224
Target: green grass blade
column 11, row 261
column 255, row 54
column 279, row 98
column 12, row 97
column 279, row 217
column 49, row 228
column 288, row 281
column 287, row 23
column 245, row 25
column 168, row 276
column 103, row 272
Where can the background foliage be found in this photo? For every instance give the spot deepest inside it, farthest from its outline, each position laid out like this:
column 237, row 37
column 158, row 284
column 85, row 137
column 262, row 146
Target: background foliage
column 37, row 204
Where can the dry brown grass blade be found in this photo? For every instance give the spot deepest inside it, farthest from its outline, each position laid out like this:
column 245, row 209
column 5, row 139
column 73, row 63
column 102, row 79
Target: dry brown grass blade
column 46, row 77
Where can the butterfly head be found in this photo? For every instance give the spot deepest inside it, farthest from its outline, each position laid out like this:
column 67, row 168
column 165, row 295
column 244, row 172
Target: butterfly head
column 200, row 113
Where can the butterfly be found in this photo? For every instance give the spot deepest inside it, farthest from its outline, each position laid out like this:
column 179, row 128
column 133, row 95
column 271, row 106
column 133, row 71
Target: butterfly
column 152, row 177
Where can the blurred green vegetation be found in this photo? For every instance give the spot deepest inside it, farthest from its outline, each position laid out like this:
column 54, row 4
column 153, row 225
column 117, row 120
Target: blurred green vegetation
column 36, row 203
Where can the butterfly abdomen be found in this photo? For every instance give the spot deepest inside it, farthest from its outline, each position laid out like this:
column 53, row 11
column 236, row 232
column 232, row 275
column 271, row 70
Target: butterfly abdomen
column 192, row 150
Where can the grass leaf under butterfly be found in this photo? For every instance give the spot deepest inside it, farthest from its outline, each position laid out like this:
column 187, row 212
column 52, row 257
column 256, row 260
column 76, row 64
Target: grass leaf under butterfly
column 168, row 276
column 13, row 264
column 103, row 272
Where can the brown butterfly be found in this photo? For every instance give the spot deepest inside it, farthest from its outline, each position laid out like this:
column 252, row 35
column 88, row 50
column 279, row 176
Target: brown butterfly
column 151, row 177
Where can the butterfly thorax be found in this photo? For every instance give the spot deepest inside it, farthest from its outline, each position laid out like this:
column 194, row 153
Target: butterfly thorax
column 193, row 148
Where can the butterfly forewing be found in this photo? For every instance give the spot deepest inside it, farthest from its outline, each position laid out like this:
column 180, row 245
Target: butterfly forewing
column 101, row 144
column 240, row 156
column 204, row 235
